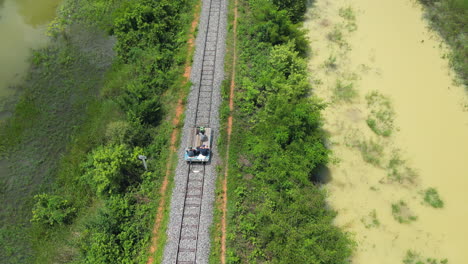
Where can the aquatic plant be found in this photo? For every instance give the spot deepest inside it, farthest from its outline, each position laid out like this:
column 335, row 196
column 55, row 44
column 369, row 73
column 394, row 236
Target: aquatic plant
column 381, row 116
column 344, row 92
column 330, row 62
column 348, row 14
column 413, row 257
column 336, row 36
column 402, row 213
column 450, row 18
column 371, row 220
column 398, row 170
column 432, row 198
column 371, row 151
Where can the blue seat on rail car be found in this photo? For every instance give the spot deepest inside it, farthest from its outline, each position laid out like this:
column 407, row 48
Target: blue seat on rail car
column 201, row 138
column 192, row 155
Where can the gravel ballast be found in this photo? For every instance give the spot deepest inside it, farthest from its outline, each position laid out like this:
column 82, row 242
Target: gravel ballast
column 181, row 173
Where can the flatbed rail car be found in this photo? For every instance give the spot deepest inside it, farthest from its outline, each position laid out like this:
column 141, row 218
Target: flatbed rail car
column 200, row 145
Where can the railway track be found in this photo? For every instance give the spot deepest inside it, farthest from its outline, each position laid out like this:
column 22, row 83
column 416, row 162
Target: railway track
column 190, row 224
column 189, row 229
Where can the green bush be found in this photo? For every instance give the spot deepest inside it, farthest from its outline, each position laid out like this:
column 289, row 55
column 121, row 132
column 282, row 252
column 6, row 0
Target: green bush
column 111, row 169
column 117, row 233
column 51, row 210
column 277, row 215
column 295, row 8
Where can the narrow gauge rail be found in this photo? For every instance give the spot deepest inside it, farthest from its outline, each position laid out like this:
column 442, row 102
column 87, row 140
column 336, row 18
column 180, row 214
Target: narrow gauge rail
column 189, row 229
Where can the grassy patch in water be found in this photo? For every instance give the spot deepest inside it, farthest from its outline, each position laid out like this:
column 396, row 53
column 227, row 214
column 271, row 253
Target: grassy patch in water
column 413, row 257
column 432, row 198
column 331, row 62
column 371, row 151
column 370, row 220
column 450, row 18
column 344, row 92
column 337, row 36
column 348, row 14
column 402, row 213
column 399, row 171
column 381, row 116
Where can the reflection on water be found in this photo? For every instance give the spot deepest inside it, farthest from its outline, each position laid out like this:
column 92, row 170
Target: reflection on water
column 384, row 46
column 22, row 27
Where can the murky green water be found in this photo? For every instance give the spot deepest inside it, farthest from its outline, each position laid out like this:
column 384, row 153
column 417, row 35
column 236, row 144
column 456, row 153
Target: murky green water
column 23, row 24
column 385, row 46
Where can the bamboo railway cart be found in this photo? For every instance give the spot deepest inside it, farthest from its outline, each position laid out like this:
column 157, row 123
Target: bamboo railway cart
column 200, row 145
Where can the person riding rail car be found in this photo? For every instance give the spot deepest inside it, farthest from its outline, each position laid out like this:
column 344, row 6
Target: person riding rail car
column 200, row 142
column 191, row 152
column 204, row 150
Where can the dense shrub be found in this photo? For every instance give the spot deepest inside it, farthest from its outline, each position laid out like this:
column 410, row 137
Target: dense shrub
column 278, row 215
column 116, row 234
column 274, row 26
column 52, row 209
column 296, row 8
column 146, row 23
column 111, row 169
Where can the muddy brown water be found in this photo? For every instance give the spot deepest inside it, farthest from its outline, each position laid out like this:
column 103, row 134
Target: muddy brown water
column 389, row 49
column 23, row 25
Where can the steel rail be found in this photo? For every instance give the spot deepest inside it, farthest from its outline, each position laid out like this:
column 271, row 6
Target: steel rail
column 193, row 198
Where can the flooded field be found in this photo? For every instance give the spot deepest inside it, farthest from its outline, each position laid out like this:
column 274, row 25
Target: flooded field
column 22, row 26
column 398, row 128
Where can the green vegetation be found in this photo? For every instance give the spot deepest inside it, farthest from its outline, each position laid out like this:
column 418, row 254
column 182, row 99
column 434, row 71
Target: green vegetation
column 402, row 213
column 399, row 171
column 59, row 97
column 413, row 257
column 371, row 220
column 449, row 18
column 344, row 92
column 371, row 151
column 432, row 198
column 348, row 14
column 276, row 213
column 111, row 168
column 381, row 116
column 336, row 36
column 52, row 210
column 338, row 33
column 331, row 63
column 85, row 114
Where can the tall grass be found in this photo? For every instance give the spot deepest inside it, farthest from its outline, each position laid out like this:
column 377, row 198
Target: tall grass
column 449, row 18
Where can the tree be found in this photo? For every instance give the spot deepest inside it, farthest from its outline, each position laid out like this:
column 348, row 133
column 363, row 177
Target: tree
column 295, row 8
column 110, row 169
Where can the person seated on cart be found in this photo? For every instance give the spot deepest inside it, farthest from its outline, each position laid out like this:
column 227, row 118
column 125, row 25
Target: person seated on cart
column 204, row 150
column 191, row 152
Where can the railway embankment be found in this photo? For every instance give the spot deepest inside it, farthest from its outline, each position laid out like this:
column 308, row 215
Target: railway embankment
column 194, row 184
